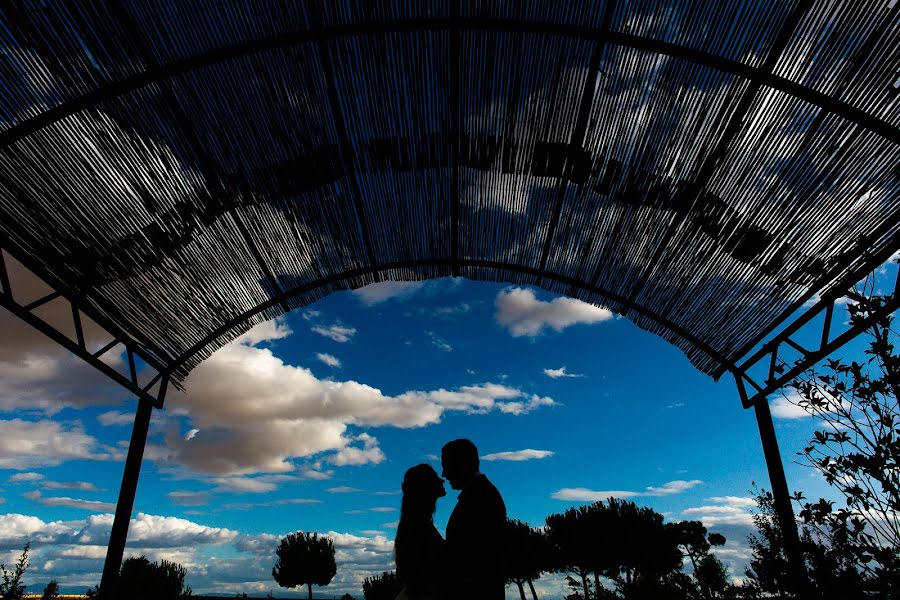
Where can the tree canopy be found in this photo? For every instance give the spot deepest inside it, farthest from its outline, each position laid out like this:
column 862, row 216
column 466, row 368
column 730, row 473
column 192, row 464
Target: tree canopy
column 304, row 559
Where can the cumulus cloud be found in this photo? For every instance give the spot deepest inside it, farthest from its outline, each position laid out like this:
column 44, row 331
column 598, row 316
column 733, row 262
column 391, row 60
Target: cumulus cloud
column 328, row 359
column 42, row 443
column 255, row 413
column 588, row 495
column 560, row 372
column 520, row 311
column 376, row 293
column 518, row 455
column 337, row 332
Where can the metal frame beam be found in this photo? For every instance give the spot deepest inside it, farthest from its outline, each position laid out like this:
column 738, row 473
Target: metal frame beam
column 449, row 264
column 159, row 73
column 779, row 372
column 78, row 347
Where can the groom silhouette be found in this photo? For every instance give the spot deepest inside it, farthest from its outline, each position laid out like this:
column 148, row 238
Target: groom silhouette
column 475, row 530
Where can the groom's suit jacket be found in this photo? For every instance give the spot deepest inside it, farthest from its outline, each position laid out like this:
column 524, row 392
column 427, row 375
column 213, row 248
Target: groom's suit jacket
column 475, row 543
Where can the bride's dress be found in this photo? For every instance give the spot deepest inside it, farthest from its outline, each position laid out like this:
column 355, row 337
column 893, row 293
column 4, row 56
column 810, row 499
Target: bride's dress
column 422, row 569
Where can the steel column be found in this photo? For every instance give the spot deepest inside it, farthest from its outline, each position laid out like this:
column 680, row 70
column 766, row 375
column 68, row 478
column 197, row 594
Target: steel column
column 799, row 581
column 125, row 504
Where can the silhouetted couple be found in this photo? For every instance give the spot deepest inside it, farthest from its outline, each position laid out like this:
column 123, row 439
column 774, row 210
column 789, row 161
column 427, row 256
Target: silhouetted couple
column 468, row 565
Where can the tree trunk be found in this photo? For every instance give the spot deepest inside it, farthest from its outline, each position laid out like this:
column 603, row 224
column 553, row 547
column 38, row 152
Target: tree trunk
column 309, row 587
column 521, row 589
column 596, row 584
column 584, row 584
column 533, row 593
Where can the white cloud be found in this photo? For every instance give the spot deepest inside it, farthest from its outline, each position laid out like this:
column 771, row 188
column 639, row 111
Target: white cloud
column 115, row 417
column 742, row 501
column 93, row 505
column 439, row 342
column 244, row 484
column 328, row 359
column 342, row 489
column 560, row 372
column 370, row 453
column 725, row 510
column 672, row 487
column 787, row 408
column 185, row 498
column 30, row 444
column 518, row 455
column 337, row 332
column 376, row 293
column 83, row 486
column 149, row 531
column 588, row 495
column 519, row 310
column 30, row 476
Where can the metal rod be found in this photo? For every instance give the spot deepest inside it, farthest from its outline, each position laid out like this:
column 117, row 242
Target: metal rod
column 41, row 301
column 783, row 510
column 125, row 504
column 105, row 349
column 796, row 346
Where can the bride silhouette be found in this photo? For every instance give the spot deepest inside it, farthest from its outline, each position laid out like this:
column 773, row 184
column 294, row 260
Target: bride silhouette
column 419, row 548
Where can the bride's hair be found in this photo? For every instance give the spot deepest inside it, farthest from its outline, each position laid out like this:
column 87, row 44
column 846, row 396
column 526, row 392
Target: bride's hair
column 420, row 485
column 421, row 488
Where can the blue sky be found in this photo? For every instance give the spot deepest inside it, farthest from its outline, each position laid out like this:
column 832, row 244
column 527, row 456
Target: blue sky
column 309, row 422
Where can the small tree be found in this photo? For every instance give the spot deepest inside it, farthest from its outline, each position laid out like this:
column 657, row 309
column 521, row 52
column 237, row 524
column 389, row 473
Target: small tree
column 382, row 587
column 141, row 579
column 51, row 591
column 11, row 588
column 858, row 450
column 304, row 559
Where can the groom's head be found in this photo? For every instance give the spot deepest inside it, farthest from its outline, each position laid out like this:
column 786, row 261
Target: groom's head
column 459, row 460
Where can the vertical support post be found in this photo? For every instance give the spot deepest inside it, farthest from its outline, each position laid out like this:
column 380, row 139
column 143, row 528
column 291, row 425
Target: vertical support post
column 126, row 498
column 783, row 510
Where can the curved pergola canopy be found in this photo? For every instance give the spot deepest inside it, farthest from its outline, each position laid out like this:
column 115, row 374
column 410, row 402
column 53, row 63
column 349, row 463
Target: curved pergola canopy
column 189, row 169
